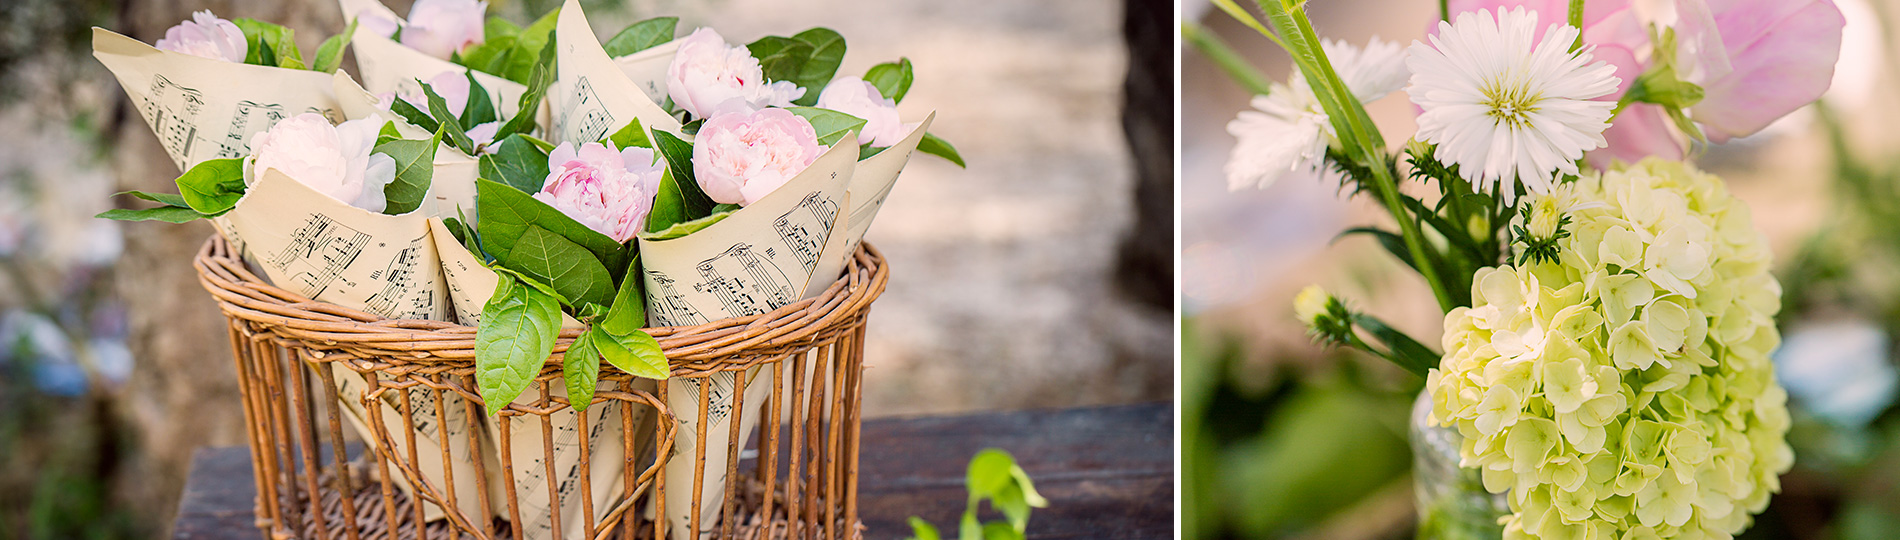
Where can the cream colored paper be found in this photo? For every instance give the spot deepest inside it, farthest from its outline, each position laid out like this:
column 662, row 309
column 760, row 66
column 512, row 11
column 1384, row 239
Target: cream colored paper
column 429, row 441
column 647, row 68
column 870, row 185
column 592, row 97
column 760, row 258
column 355, row 8
column 313, row 245
column 451, row 184
column 202, row 108
column 388, row 66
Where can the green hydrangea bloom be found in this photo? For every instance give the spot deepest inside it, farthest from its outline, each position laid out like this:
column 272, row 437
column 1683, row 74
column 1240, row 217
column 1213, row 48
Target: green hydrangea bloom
column 1624, row 389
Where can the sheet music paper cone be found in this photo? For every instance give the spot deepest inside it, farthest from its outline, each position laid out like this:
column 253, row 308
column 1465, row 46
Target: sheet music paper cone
column 592, row 96
column 870, row 185
column 647, row 69
column 202, row 108
column 388, row 66
column 451, row 183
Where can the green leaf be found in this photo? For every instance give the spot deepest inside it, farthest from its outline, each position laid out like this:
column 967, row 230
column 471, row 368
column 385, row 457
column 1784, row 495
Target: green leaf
column 388, row 133
column 539, row 78
column 580, row 369
column 818, row 69
column 636, row 353
column 412, row 115
column 629, row 311
column 632, row 135
column 997, row 530
column 415, row 168
column 988, row 472
column 933, row 145
column 676, row 230
column 831, row 125
column 269, row 44
column 669, row 206
column 213, row 186
column 679, row 160
column 532, row 49
column 892, row 79
column 1401, row 349
column 1030, row 495
column 491, row 55
column 448, row 124
column 550, row 258
column 518, row 163
column 168, row 214
column 507, row 212
column 496, row 28
column 167, row 199
column 781, row 58
column 330, row 53
column 922, row 530
column 641, row 36
column 516, row 335
column 479, row 109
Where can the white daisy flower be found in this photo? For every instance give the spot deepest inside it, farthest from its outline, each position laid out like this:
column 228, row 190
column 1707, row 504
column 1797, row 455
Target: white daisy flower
column 1290, row 131
column 1505, row 106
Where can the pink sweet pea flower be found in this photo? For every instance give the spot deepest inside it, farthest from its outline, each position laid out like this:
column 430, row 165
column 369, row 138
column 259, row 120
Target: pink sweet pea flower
column 609, row 191
column 440, row 28
column 206, row 36
column 739, row 157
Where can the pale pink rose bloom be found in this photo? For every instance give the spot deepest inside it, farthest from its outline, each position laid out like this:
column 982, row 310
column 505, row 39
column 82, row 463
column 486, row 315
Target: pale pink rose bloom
column 739, row 157
column 857, row 97
column 706, row 73
column 1780, row 57
column 334, row 160
column 610, row 192
column 376, row 24
column 440, row 28
column 207, row 36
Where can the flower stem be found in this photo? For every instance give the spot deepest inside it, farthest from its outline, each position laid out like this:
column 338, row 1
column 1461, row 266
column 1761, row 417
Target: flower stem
column 1576, row 21
column 1225, row 57
column 1444, row 10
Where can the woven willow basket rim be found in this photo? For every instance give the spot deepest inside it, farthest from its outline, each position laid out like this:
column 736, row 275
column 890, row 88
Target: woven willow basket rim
column 692, row 351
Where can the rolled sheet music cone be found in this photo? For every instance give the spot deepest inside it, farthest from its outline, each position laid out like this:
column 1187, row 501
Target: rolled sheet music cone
column 592, row 95
column 762, row 257
column 388, row 66
column 870, row 185
column 470, row 286
column 451, row 185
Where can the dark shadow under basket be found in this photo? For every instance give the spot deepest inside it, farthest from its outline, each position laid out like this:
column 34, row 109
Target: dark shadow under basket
column 308, row 368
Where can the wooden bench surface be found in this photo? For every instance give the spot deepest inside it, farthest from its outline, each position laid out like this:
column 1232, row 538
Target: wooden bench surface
column 1108, row 473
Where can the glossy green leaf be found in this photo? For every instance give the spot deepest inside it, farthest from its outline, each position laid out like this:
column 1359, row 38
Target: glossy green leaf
column 936, row 146
column 507, row 212
column 628, row 314
column 330, row 53
column 539, row 77
column 818, row 69
column 922, row 530
column 580, row 369
column 684, row 228
column 518, row 163
column 496, row 28
column 679, row 160
column 630, row 136
column 480, row 108
column 892, row 79
column 412, row 115
column 415, row 168
column 831, row 125
column 552, row 259
column 641, row 36
column 269, row 44
column 781, row 58
column 168, row 214
column 167, row 199
column 213, row 186
column 636, row 353
column 448, row 127
column 388, row 133
column 514, row 339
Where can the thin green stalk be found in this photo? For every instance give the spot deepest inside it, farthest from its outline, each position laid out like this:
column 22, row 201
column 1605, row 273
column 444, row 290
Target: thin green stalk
column 1356, row 131
column 1444, row 10
column 1576, row 21
column 1211, row 46
column 1240, row 14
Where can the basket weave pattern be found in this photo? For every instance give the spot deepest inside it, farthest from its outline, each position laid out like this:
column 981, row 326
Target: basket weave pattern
column 802, row 483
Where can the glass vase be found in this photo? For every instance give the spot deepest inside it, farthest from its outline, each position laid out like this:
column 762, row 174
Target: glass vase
column 1452, row 502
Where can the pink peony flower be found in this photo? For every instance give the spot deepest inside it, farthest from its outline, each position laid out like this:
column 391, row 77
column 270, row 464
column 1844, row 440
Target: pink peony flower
column 377, row 24
column 741, row 156
column 857, row 97
column 334, row 160
column 706, row 73
column 440, row 28
column 610, row 192
column 207, row 36
column 1756, row 60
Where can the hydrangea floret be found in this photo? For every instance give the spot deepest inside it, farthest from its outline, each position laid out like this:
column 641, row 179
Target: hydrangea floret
column 1623, row 389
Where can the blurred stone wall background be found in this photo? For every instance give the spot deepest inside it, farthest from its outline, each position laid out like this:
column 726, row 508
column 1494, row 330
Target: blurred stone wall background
column 1004, row 292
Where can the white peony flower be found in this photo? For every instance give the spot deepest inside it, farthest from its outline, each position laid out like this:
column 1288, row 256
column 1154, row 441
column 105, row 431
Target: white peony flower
column 334, row 160
column 857, row 97
column 1505, row 106
column 1290, row 132
column 206, row 36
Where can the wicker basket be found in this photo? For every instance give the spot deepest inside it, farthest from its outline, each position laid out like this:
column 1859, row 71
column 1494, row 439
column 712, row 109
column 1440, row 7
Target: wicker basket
column 291, row 351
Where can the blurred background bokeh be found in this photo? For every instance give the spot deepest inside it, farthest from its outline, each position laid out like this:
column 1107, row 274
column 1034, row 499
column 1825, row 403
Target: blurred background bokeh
column 1284, row 439
column 1039, row 277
